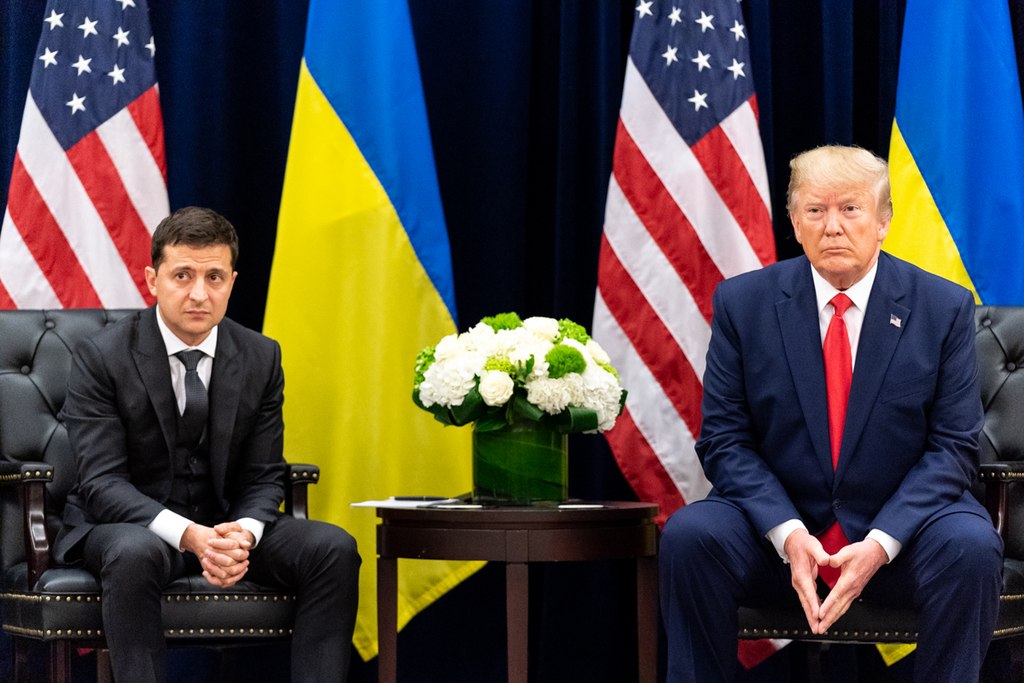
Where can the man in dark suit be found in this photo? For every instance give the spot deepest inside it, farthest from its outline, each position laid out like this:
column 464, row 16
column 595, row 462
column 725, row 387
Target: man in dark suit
column 840, row 431
column 174, row 417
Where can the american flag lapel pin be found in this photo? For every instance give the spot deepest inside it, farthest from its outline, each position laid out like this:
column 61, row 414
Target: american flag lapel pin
column 895, row 321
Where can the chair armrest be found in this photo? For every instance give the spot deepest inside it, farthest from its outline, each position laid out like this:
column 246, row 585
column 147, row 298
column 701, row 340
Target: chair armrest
column 298, row 478
column 31, row 478
column 997, row 477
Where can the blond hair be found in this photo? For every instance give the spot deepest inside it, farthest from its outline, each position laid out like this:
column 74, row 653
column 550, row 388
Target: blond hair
column 837, row 166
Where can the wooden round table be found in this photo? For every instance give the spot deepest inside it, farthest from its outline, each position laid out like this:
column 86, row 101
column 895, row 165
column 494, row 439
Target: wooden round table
column 518, row 536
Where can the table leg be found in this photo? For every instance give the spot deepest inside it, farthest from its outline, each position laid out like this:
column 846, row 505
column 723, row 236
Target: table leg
column 647, row 618
column 387, row 619
column 517, row 597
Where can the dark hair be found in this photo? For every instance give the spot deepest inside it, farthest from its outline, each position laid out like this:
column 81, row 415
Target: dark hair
column 194, row 226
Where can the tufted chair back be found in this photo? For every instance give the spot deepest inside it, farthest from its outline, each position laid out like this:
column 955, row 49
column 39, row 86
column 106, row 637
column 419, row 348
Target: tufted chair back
column 1000, row 344
column 35, row 360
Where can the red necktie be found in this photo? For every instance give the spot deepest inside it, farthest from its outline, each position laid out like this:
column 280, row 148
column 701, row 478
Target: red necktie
column 838, row 373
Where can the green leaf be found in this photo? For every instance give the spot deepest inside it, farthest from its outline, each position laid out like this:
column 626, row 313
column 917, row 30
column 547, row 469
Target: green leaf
column 524, row 408
column 472, row 408
column 572, row 419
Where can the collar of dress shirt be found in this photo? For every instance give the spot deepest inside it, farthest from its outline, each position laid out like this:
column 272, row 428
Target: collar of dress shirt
column 859, row 292
column 173, row 344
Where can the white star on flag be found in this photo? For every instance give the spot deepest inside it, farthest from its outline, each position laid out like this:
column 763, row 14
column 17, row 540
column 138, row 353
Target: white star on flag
column 54, row 20
column 77, row 103
column 702, row 61
column 705, row 22
column 82, row 65
column 88, row 27
column 737, row 30
column 698, row 100
column 48, row 58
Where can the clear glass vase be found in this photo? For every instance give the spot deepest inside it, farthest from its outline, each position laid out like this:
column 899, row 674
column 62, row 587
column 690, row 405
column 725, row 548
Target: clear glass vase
column 520, row 464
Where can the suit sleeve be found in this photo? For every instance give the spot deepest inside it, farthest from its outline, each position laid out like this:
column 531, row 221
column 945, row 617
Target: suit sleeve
column 950, row 459
column 98, row 441
column 727, row 447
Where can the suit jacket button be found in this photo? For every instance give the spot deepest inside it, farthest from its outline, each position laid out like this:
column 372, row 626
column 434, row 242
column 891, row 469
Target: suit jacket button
column 836, row 504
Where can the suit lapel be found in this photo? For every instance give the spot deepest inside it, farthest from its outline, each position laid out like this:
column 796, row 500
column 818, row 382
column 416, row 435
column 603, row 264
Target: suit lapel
column 150, row 357
column 884, row 322
column 797, row 314
column 225, row 391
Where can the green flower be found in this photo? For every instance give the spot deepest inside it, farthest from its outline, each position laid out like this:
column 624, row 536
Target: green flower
column 503, row 321
column 608, row 367
column 502, row 364
column 567, row 329
column 424, row 359
column 563, row 359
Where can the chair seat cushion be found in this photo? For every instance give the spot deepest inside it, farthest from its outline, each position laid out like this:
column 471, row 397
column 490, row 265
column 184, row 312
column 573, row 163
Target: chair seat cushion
column 865, row 622
column 66, row 603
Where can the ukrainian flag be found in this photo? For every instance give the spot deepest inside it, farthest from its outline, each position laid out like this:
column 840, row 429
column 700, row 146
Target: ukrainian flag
column 956, row 157
column 361, row 281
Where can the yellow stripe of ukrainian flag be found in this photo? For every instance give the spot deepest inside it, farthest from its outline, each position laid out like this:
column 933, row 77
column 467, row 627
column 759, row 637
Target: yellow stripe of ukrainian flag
column 351, row 306
column 918, row 232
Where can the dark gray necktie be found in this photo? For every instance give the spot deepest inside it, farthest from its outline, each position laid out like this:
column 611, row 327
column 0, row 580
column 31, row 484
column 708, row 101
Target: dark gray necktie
column 197, row 404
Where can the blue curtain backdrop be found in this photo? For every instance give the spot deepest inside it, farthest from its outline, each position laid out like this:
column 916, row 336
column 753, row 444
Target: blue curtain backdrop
column 523, row 100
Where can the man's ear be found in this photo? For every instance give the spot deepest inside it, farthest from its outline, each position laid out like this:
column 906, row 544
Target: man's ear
column 151, row 279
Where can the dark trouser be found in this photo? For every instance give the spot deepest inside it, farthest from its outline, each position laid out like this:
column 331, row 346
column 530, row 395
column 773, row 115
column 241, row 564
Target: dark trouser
column 317, row 560
column 712, row 561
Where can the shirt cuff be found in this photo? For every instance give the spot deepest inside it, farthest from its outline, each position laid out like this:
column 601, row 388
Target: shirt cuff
column 253, row 526
column 890, row 545
column 170, row 526
column 778, row 535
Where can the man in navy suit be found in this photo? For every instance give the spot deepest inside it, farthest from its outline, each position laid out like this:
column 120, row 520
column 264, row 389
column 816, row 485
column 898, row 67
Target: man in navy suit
column 819, row 505
column 174, row 419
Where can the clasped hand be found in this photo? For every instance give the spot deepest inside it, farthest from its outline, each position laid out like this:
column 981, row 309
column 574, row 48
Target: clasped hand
column 858, row 562
column 223, row 551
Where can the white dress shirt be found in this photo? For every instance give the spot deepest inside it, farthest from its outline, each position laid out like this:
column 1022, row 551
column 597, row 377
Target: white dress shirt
column 859, row 294
column 169, row 525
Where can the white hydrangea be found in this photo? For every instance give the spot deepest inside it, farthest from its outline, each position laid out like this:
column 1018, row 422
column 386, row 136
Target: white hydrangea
column 601, row 392
column 448, row 382
column 496, row 387
column 550, row 395
column 481, row 338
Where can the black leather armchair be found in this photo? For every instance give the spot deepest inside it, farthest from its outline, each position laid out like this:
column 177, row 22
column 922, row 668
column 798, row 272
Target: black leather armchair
column 999, row 333
column 60, row 605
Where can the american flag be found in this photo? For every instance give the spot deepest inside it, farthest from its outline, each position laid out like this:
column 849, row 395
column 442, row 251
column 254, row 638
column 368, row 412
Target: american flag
column 688, row 206
column 89, row 182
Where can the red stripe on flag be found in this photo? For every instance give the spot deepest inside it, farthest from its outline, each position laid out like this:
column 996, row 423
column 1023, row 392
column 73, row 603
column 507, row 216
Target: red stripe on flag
column 103, row 184
column 6, row 302
column 653, row 342
column 642, row 467
column 730, row 177
column 668, row 226
column 145, row 111
column 47, row 243
column 753, row 652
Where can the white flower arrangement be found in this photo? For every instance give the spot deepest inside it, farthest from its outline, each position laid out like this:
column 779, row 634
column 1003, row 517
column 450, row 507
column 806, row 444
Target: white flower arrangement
column 505, row 369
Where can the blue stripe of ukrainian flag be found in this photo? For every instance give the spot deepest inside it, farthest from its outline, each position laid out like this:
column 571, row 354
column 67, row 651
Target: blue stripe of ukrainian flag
column 956, row 149
column 361, row 281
